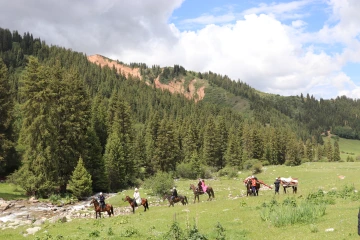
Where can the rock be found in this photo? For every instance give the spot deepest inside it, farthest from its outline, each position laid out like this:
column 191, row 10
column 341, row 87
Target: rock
column 32, row 230
column 19, row 206
column 4, row 206
column 39, row 222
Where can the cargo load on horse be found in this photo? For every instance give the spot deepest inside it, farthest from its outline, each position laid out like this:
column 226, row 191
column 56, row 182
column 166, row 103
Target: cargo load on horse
column 289, row 182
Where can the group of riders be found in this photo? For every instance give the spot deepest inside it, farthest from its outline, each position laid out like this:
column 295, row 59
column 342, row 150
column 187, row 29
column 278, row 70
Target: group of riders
column 137, row 199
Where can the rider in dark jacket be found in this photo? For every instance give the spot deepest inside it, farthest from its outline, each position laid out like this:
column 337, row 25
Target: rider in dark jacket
column 102, row 200
column 174, row 194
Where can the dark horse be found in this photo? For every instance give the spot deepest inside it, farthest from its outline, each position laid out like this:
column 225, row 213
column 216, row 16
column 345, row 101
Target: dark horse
column 179, row 198
column 98, row 209
column 249, row 190
column 209, row 191
column 144, row 202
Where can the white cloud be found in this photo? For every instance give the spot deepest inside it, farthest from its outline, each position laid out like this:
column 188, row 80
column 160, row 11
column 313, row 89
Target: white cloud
column 258, row 48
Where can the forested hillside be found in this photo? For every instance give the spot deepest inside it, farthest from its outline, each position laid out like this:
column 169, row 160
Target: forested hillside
column 57, row 107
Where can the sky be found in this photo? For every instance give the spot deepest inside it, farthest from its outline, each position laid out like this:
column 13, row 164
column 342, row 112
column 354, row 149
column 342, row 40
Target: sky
column 282, row 47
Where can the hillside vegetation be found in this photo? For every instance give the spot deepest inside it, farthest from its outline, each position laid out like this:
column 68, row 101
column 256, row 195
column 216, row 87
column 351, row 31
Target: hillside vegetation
column 129, row 122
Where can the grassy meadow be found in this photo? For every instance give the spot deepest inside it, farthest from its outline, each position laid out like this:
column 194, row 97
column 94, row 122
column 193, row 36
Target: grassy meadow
column 240, row 216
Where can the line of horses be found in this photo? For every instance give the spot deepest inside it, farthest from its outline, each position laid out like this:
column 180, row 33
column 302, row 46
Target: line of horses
column 183, row 199
column 144, row 202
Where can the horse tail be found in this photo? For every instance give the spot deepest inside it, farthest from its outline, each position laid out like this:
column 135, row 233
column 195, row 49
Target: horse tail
column 212, row 193
column 146, row 204
column 112, row 210
column 186, row 200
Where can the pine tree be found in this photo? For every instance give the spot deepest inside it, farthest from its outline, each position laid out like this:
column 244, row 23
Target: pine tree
column 329, row 151
column 6, row 106
column 234, row 151
column 336, row 157
column 80, row 181
column 210, row 146
column 94, row 162
column 119, row 161
column 166, row 153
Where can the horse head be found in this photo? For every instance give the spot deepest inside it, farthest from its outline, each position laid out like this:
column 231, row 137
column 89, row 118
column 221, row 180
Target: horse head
column 94, row 201
column 127, row 199
column 192, row 187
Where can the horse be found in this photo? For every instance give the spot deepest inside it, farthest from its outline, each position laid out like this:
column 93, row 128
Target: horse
column 289, row 182
column 144, row 202
column 179, row 198
column 209, row 191
column 98, row 209
column 249, row 190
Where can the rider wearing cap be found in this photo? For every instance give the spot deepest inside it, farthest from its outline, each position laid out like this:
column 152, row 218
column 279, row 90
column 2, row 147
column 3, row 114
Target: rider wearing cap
column 102, row 200
column 137, row 198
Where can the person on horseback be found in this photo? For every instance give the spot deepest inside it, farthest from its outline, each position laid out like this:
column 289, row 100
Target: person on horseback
column 102, row 200
column 200, row 185
column 203, row 186
column 253, row 184
column 137, row 198
column 174, row 194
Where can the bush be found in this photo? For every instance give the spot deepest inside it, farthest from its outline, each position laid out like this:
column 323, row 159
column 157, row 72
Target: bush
column 247, row 165
column 185, row 170
column 230, row 172
column 160, row 183
column 257, row 168
column 290, row 212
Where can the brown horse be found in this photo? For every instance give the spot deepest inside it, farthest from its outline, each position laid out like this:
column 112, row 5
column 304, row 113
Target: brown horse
column 179, row 198
column 98, row 209
column 209, row 191
column 144, row 202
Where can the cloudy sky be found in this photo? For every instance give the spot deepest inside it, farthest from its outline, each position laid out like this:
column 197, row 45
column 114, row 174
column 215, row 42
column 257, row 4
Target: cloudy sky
column 283, row 47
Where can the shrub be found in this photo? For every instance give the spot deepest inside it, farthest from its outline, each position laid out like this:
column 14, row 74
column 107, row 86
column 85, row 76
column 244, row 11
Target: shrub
column 247, row 165
column 285, row 214
column 185, row 170
column 230, row 172
column 160, row 183
column 257, row 168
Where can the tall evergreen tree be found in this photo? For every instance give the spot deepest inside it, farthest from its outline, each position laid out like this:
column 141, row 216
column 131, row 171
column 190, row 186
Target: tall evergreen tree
column 80, row 182
column 336, row 157
column 210, row 145
column 6, row 107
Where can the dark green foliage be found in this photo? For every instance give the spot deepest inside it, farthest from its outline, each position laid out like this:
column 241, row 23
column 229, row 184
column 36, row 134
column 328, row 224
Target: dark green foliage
column 80, row 182
column 8, row 161
column 160, row 183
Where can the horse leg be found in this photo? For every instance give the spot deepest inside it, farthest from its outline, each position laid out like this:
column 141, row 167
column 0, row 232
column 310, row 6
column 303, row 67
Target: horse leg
column 284, row 189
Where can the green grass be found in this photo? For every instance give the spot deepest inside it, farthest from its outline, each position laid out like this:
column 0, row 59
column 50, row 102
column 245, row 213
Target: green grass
column 348, row 147
column 11, row 192
column 240, row 217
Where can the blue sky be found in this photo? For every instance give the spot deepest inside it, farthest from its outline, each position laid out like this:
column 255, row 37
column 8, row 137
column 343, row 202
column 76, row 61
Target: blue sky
column 281, row 47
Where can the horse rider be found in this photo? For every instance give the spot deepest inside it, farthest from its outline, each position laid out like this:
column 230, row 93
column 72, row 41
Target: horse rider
column 277, row 185
column 102, row 200
column 200, row 185
column 203, row 186
column 253, row 184
column 174, row 194
column 137, row 198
